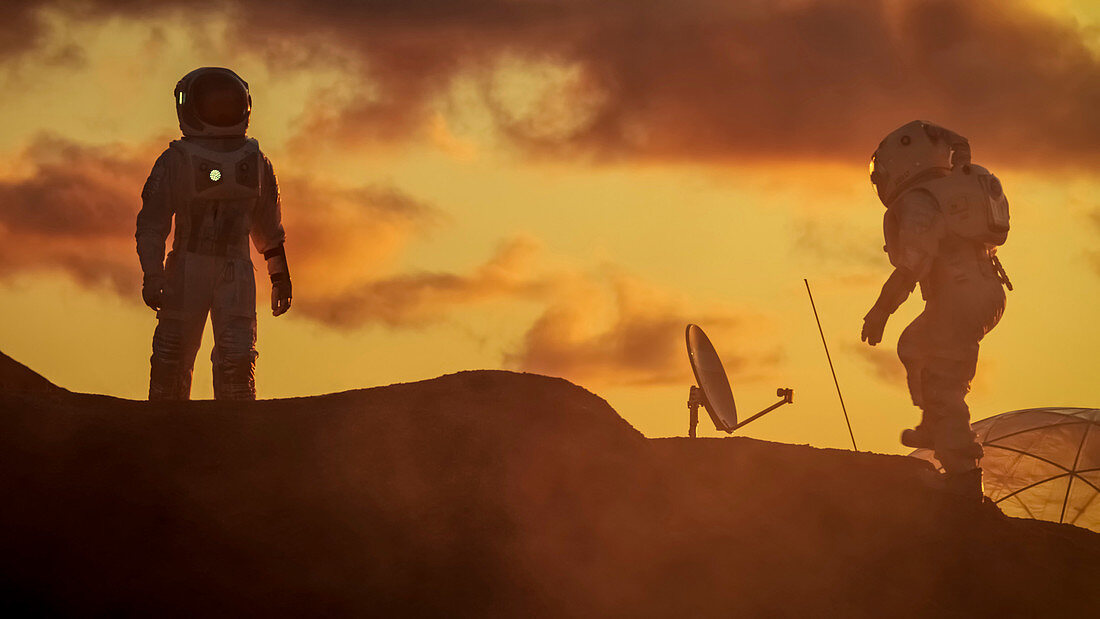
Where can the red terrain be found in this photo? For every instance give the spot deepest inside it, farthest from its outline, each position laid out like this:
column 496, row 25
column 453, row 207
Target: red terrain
column 484, row 494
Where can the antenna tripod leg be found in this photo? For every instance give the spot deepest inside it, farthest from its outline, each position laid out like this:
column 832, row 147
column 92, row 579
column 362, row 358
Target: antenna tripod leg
column 693, row 411
column 788, row 398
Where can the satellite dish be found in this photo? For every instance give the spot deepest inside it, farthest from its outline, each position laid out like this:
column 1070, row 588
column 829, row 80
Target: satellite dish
column 711, row 378
column 712, row 389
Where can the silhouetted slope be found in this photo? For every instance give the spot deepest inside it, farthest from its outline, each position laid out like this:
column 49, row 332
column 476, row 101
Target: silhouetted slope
column 485, row 494
column 18, row 378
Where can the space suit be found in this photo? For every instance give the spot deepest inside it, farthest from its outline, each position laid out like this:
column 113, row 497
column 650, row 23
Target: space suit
column 945, row 218
column 221, row 190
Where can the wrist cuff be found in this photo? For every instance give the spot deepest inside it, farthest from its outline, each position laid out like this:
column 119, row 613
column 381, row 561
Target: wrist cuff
column 276, row 263
column 274, row 252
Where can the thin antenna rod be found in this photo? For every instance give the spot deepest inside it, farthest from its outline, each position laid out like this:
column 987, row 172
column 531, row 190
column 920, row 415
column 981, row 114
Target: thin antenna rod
column 831, row 369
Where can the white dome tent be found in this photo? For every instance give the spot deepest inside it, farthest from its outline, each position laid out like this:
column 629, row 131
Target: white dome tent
column 1042, row 463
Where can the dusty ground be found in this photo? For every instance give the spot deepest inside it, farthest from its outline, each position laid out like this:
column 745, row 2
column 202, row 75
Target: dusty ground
column 483, row 494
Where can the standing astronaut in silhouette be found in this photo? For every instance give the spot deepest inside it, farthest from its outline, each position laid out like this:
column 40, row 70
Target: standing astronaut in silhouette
column 944, row 219
column 221, row 189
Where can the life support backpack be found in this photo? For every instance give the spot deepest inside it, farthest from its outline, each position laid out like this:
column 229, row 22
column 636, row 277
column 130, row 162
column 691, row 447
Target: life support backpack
column 973, row 204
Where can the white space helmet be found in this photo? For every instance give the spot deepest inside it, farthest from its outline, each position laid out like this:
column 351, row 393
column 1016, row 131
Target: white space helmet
column 914, row 152
column 213, row 102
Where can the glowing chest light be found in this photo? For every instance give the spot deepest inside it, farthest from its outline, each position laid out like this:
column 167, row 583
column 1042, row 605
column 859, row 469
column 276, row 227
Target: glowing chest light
column 215, row 175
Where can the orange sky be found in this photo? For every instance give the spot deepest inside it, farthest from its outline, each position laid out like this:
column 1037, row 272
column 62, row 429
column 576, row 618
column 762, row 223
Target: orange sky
column 560, row 187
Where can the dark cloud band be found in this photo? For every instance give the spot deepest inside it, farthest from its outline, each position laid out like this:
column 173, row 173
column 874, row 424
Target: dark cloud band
column 699, row 79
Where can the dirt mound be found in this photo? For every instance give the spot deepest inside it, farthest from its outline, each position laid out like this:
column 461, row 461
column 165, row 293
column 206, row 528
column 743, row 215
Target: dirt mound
column 18, row 378
column 486, row 494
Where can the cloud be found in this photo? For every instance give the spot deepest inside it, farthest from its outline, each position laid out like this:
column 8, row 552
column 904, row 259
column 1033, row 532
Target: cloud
column 709, row 79
column 883, row 363
column 1095, row 255
column 635, row 338
column 602, row 328
column 840, row 243
column 339, row 237
column 414, row 300
column 825, row 80
column 595, row 327
column 74, row 212
column 21, row 29
column 71, row 208
column 690, row 79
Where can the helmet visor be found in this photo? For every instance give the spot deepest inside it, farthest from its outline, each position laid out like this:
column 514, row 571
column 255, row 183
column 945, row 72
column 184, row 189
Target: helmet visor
column 219, row 99
column 875, row 171
column 879, row 177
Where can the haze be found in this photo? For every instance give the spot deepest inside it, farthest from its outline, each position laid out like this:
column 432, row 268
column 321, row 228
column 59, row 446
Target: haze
column 559, row 187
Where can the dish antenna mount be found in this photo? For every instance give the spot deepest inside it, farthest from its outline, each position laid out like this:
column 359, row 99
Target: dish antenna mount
column 712, row 389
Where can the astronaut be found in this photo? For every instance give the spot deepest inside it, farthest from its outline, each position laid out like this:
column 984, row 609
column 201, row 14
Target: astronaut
column 944, row 219
column 221, row 190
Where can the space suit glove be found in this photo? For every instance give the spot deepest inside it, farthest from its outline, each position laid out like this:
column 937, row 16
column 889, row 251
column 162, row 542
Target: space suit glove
column 874, row 323
column 280, row 279
column 280, row 293
column 152, row 290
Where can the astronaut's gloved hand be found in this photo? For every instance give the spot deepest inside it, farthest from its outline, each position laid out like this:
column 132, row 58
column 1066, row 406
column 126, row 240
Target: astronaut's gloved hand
column 152, row 290
column 280, row 279
column 874, row 323
column 280, row 293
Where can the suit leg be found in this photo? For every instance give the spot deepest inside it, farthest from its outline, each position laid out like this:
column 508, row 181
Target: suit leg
column 234, row 321
column 176, row 341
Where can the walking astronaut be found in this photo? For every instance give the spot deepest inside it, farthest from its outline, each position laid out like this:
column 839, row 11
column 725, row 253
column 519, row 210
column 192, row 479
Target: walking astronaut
column 221, row 190
column 944, row 219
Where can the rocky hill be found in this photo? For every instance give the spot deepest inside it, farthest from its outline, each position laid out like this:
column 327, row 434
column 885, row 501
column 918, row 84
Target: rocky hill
column 480, row 494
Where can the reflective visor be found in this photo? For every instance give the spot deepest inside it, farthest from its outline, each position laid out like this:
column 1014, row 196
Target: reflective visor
column 219, row 99
column 875, row 171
